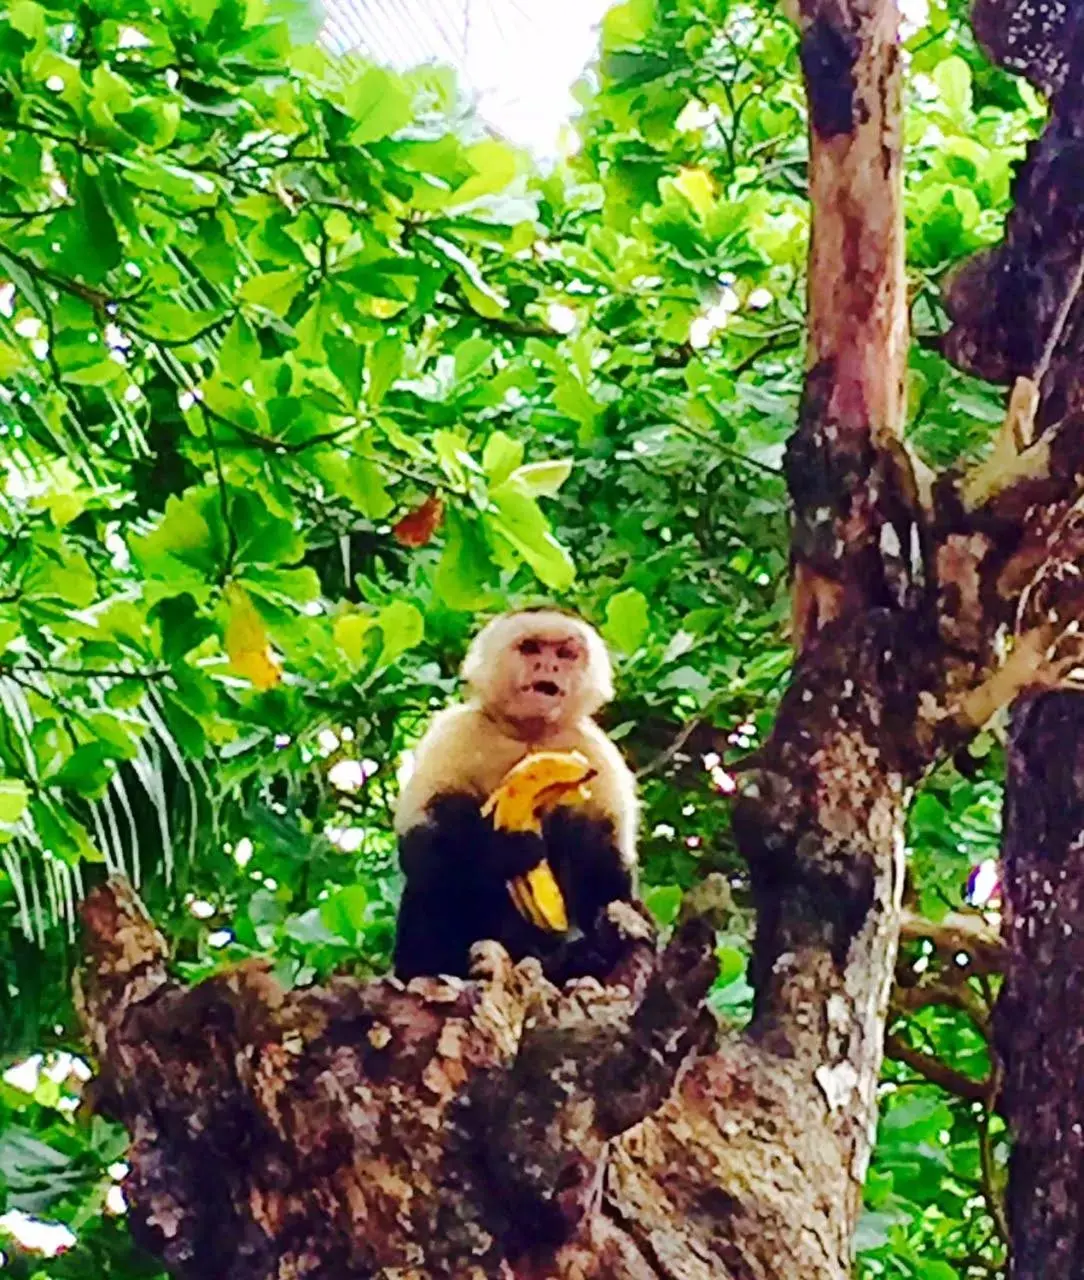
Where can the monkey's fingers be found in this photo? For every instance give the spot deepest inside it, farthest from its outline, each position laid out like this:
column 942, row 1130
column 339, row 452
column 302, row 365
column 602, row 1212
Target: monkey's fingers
column 524, row 903
column 537, row 897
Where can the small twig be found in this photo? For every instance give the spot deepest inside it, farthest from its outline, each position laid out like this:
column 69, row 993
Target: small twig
column 96, row 298
column 1060, row 321
column 31, row 215
column 82, row 673
column 269, row 445
column 204, row 332
column 510, row 325
column 667, row 755
column 991, row 1192
column 952, row 995
column 934, row 1071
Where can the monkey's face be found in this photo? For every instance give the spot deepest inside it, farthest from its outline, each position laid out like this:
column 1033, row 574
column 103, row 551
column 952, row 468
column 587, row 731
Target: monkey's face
column 543, row 678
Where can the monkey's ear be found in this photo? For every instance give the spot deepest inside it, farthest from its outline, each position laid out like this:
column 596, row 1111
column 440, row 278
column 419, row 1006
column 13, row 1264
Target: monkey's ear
column 599, row 667
column 480, row 654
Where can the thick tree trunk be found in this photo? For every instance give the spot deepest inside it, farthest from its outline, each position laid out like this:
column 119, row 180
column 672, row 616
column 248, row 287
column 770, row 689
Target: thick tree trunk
column 1040, row 1016
column 1018, row 310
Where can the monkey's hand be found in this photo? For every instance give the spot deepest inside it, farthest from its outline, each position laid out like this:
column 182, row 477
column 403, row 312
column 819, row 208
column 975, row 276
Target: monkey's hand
column 528, row 791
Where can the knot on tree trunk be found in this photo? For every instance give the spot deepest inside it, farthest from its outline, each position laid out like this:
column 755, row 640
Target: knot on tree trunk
column 325, row 1132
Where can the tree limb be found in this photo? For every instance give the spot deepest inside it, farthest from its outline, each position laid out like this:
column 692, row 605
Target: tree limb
column 935, row 1071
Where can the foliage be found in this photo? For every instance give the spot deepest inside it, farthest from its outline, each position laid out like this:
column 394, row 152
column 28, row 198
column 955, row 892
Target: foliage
column 299, row 371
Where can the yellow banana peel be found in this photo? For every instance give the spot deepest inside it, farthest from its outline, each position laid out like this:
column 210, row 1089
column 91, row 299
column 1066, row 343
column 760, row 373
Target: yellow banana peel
column 529, row 790
column 534, row 786
column 537, row 897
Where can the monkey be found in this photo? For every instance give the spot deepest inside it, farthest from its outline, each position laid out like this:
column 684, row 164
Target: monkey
column 535, row 680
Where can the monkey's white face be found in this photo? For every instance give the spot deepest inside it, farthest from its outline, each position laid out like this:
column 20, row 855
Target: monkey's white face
column 539, row 670
column 542, row 677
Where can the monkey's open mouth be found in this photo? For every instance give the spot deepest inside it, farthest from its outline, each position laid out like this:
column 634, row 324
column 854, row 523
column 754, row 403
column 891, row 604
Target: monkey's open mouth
column 547, row 687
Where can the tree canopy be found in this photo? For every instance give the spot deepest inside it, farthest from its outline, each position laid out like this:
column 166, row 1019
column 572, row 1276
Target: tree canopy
column 301, row 370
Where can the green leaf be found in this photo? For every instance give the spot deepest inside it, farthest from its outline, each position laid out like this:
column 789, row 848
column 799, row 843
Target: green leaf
column 378, row 103
column 153, row 121
column 501, row 457
column 696, row 187
column 518, row 518
column 542, row 479
column 953, row 78
column 10, row 627
column 296, row 587
column 60, row 573
column 14, row 798
column 932, row 1269
column 343, row 913
column 309, row 929
column 627, row 24
column 383, row 364
column 322, row 320
column 664, row 902
column 303, row 18
column 87, row 771
column 62, row 835
column 480, row 295
column 397, row 627
column 274, row 290
column 495, row 165
column 183, row 552
column 357, row 480
column 239, row 352
column 466, row 570
column 357, row 636
column 174, row 323
column 627, row 620
column 28, row 19
column 403, row 627
column 471, row 357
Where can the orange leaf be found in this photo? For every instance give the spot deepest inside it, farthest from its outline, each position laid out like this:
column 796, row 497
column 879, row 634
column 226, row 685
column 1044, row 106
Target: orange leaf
column 418, row 526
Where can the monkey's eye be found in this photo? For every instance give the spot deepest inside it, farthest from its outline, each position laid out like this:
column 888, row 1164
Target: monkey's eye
column 567, row 653
column 530, row 647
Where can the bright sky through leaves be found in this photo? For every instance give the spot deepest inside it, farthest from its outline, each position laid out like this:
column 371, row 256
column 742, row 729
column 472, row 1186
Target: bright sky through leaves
column 518, row 59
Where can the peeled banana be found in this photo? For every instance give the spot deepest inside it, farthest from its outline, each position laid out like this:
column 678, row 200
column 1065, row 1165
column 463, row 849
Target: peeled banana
column 529, row 790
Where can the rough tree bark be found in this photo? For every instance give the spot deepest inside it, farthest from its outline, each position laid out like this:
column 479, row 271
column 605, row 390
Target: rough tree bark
column 499, row 1128
column 1040, row 1015
column 1018, row 310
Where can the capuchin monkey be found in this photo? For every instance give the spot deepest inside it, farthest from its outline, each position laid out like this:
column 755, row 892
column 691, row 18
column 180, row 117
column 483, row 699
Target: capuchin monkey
column 535, row 679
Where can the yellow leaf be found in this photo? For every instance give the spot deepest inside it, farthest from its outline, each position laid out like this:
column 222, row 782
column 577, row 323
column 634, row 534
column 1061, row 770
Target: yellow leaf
column 247, row 644
column 696, row 186
column 349, row 632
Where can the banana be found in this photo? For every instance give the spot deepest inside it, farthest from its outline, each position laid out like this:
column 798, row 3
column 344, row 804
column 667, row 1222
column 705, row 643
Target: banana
column 534, row 786
column 528, row 791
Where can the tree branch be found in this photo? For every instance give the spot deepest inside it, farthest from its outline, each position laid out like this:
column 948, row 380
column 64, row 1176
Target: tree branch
column 958, row 932
column 935, row 1071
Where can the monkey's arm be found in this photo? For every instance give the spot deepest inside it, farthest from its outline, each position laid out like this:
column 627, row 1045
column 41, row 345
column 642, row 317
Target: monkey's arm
column 456, row 869
column 591, row 868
